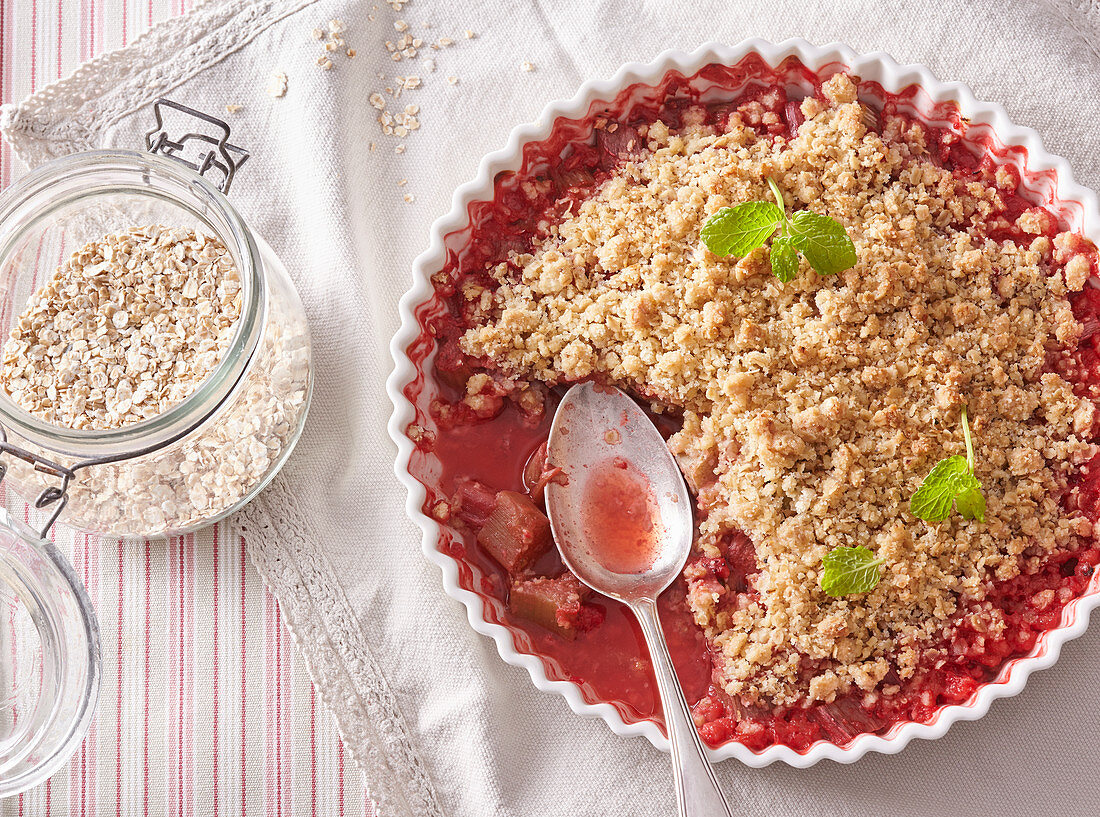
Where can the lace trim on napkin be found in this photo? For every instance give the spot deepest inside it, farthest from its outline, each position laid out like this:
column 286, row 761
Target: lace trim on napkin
column 77, row 113
column 341, row 663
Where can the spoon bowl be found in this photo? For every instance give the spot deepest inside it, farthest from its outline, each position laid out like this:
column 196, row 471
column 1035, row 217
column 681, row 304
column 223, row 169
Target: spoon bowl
column 622, row 521
column 612, row 455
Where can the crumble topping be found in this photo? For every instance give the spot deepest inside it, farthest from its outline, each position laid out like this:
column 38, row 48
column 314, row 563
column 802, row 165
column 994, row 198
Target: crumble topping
column 812, row 410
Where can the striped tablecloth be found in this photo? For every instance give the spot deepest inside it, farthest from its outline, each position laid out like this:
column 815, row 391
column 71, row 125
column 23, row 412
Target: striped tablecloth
column 205, row 706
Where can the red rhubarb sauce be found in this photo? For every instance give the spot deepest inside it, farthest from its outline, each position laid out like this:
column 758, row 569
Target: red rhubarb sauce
column 608, row 661
column 620, row 517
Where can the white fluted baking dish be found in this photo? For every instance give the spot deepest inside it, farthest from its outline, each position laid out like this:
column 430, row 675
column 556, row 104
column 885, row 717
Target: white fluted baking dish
column 1046, row 178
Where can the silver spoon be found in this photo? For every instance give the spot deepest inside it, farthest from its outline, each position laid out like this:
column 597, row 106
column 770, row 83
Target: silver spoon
column 622, row 521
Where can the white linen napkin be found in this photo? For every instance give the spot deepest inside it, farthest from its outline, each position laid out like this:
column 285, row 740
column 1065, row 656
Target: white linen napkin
column 437, row 723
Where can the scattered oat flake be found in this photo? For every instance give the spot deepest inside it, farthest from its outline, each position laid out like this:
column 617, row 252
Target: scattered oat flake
column 469, row 34
column 409, row 198
column 444, row 42
column 317, row 34
column 402, row 182
column 429, row 65
column 398, row 149
column 526, row 66
column 350, row 52
column 452, row 80
column 400, row 25
column 277, row 85
column 336, row 26
column 232, row 108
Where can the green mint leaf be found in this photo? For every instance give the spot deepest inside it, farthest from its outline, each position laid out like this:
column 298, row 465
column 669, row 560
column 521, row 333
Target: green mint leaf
column 823, row 241
column 934, row 498
column 949, row 483
column 970, row 503
column 849, row 570
column 784, row 258
column 739, row 230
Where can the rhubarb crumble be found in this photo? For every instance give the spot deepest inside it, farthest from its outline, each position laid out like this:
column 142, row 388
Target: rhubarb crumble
column 804, row 414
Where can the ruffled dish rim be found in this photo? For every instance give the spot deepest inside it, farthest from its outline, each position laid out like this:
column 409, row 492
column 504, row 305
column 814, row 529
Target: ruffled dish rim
column 893, row 77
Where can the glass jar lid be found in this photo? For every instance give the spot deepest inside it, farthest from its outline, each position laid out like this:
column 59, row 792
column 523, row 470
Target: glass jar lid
column 49, row 658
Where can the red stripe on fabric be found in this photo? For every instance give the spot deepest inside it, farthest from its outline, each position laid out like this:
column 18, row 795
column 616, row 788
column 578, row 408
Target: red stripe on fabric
column 76, row 766
column 313, row 751
column 244, row 697
column 340, row 775
column 192, row 651
column 168, row 701
column 278, row 708
column 217, row 691
column 91, row 802
column 60, row 4
column 118, row 718
column 49, row 798
column 118, row 700
column 87, row 741
column 270, row 731
column 34, row 46
column 148, row 573
column 182, row 683
column 5, row 85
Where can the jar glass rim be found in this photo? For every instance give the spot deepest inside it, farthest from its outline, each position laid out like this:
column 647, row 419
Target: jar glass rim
column 17, row 204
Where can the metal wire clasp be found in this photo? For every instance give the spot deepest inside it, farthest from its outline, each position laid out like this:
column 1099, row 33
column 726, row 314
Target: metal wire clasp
column 53, row 495
column 224, row 157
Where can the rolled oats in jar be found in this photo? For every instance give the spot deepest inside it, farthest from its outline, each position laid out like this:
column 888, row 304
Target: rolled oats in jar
column 156, row 357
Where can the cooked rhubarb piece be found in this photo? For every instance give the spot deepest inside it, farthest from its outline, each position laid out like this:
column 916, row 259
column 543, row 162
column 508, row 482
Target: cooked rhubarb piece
column 844, row 718
column 556, row 604
column 516, row 532
column 451, row 366
column 537, row 474
column 473, row 502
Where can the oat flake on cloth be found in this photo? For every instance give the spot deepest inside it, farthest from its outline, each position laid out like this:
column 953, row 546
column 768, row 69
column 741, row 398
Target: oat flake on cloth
column 436, row 722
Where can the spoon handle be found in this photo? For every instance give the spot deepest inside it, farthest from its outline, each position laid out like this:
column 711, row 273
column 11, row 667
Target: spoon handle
column 697, row 792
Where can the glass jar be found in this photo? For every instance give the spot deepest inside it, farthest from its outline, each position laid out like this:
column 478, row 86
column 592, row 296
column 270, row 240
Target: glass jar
column 172, row 473
column 211, row 453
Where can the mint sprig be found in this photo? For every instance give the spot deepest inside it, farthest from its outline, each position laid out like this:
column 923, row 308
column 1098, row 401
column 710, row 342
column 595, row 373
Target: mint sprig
column 951, row 482
column 739, row 230
column 849, row 570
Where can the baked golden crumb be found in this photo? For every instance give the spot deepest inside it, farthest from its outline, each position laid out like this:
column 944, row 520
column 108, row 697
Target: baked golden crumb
column 812, row 410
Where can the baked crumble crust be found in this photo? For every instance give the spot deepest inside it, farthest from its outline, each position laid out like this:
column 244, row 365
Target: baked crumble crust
column 812, row 410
